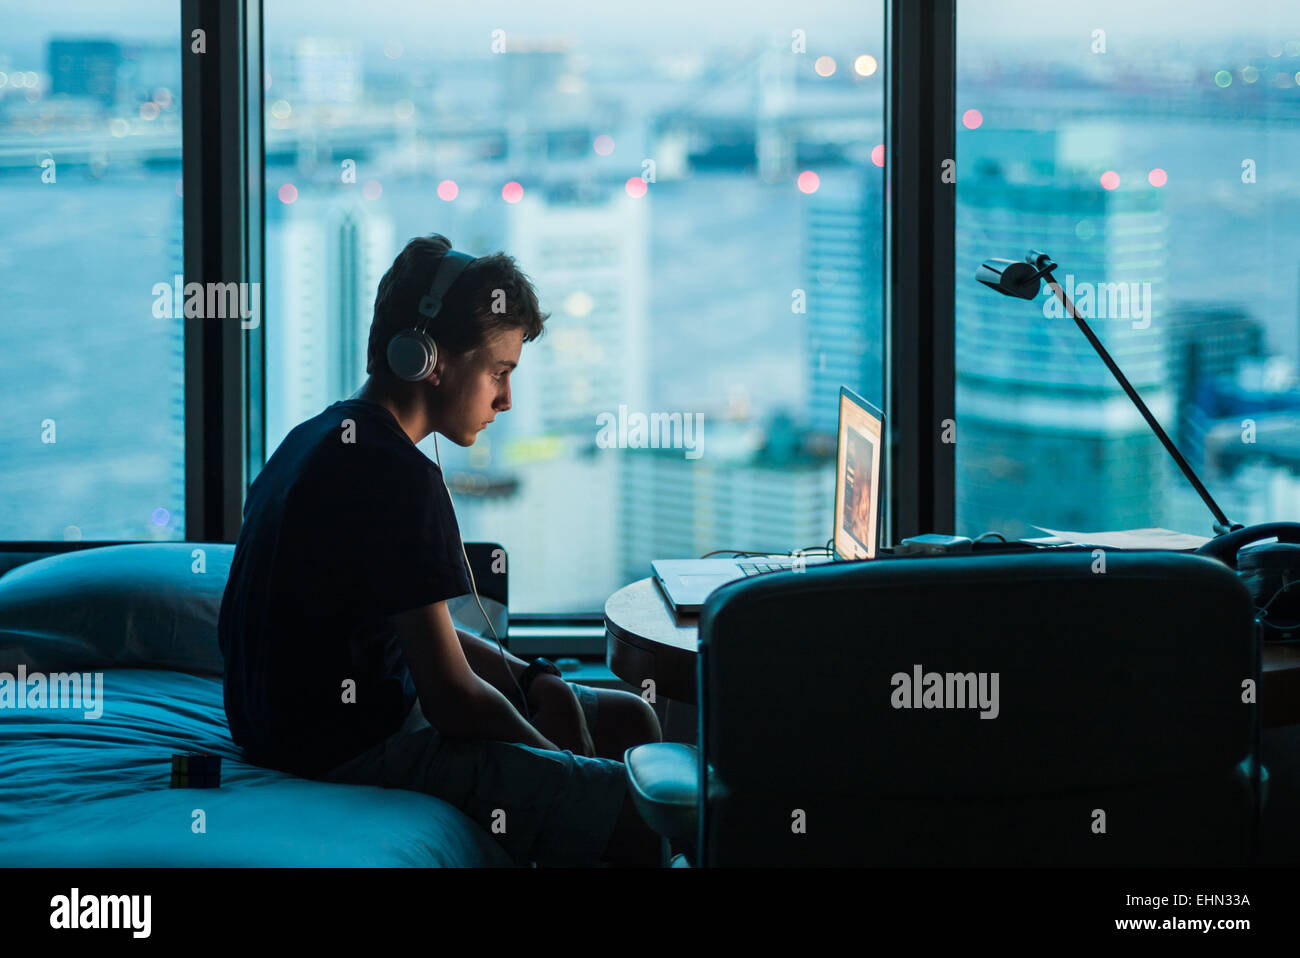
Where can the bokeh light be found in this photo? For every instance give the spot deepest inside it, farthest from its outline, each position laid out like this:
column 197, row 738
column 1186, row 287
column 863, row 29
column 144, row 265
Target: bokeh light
column 1157, row 177
column 512, row 192
column 865, row 65
column 448, row 190
column 825, row 66
column 808, row 181
column 603, row 144
column 371, row 189
column 160, row 516
column 635, row 187
column 1109, row 180
column 287, row 193
column 878, row 154
column 972, row 119
column 1223, row 78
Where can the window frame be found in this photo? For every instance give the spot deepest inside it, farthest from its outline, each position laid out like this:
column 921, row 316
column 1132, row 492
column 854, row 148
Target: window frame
column 223, row 162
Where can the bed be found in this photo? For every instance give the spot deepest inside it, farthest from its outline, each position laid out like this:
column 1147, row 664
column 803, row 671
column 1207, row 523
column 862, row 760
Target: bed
column 95, row 791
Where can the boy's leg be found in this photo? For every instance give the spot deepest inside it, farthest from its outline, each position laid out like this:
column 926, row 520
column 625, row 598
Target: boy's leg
column 620, row 720
column 632, row 842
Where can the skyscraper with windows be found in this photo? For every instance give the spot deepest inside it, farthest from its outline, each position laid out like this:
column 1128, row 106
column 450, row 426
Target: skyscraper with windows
column 329, row 258
column 1044, row 434
column 842, row 280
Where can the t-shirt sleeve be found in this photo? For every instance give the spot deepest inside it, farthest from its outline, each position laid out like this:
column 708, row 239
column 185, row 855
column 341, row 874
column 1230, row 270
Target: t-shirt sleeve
column 382, row 538
column 420, row 560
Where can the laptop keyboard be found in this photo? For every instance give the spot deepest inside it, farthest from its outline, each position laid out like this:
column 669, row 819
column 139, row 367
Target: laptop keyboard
column 757, row 568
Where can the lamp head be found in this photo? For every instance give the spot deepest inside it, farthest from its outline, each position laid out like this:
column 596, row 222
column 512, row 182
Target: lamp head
column 1009, row 277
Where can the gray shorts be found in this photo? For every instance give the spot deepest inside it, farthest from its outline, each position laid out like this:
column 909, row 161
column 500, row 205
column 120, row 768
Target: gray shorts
column 553, row 808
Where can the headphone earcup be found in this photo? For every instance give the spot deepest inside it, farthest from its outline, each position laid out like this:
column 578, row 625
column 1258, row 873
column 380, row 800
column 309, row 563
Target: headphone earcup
column 412, row 354
column 1265, row 570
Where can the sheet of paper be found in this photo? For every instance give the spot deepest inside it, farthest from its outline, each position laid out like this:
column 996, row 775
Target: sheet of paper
column 1132, row 538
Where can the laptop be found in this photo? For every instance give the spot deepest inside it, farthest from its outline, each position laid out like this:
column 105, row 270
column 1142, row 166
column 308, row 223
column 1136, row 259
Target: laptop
column 686, row 583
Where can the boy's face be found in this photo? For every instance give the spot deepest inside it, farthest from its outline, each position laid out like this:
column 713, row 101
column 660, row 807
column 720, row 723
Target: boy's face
column 473, row 389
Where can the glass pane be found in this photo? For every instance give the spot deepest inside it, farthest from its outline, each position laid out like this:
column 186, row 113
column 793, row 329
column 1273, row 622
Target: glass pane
column 92, row 442
column 696, row 196
column 1151, row 150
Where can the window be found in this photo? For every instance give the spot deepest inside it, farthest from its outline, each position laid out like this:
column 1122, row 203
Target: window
column 697, row 198
column 92, row 442
column 1150, row 149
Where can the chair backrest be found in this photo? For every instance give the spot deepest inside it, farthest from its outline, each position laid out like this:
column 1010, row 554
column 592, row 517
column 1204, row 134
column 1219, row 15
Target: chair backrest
column 487, row 563
column 1114, row 736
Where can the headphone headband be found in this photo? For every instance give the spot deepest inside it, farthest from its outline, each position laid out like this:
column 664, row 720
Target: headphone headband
column 449, row 269
column 413, row 353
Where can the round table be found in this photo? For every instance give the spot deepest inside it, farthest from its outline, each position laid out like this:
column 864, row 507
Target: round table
column 645, row 639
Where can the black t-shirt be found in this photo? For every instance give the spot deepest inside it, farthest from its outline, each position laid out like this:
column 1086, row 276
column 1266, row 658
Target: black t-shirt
column 347, row 525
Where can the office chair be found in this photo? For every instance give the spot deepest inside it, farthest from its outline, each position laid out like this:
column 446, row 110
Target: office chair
column 1121, row 736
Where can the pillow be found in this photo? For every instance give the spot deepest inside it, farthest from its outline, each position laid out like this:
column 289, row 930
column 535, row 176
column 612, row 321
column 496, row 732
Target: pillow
column 142, row 605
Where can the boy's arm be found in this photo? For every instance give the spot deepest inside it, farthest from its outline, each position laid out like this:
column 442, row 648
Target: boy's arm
column 485, row 659
column 455, row 700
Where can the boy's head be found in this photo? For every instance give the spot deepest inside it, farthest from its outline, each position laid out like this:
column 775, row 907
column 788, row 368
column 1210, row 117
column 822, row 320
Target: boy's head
column 486, row 317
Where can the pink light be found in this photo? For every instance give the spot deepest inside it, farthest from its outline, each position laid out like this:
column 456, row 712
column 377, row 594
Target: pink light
column 287, row 193
column 1157, row 177
column 371, row 189
column 878, row 154
column 971, row 119
column 604, row 144
column 808, row 181
column 448, row 190
column 635, row 187
column 512, row 192
column 1109, row 180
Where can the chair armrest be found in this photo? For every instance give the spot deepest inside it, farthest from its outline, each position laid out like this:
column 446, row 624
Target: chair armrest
column 664, row 781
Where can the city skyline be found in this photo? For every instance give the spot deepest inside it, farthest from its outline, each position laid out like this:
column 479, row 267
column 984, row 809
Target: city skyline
column 624, row 279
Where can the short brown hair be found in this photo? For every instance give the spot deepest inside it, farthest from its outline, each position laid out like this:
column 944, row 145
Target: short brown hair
column 466, row 320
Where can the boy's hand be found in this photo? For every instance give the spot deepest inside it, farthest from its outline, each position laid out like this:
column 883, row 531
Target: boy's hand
column 558, row 715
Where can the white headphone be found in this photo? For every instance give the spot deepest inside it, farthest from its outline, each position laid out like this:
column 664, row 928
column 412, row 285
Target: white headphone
column 412, row 353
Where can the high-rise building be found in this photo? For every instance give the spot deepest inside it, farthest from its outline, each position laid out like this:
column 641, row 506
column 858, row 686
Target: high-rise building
column 842, row 260
column 1044, row 435
column 1206, row 341
column 739, row 495
column 325, row 70
column 328, row 259
column 584, row 244
column 85, row 68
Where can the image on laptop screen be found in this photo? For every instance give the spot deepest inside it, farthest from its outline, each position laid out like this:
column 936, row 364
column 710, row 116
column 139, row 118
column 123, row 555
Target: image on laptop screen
column 857, row 486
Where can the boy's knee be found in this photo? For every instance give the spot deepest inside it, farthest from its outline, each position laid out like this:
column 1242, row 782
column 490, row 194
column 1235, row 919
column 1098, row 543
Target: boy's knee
column 636, row 719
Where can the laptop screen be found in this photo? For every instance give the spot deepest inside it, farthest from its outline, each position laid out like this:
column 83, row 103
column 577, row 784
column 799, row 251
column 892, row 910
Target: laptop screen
column 857, row 483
